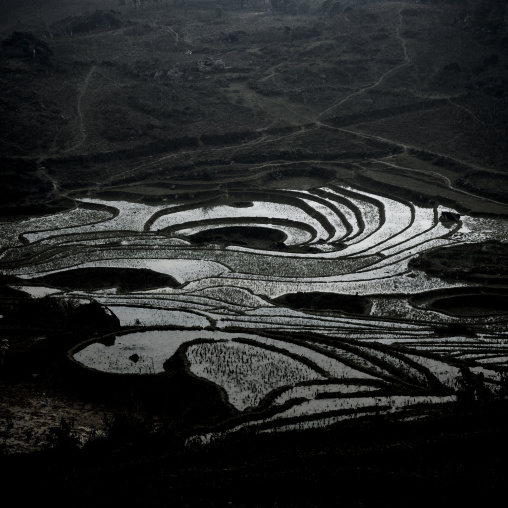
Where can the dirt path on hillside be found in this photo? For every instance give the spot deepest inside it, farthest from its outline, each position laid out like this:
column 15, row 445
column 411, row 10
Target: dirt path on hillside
column 407, row 62
column 80, row 121
column 445, row 179
column 79, row 125
column 407, row 147
column 28, row 412
column 154, row 163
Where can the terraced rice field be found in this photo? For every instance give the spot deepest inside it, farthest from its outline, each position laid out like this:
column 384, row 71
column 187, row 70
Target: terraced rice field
column 277, row 367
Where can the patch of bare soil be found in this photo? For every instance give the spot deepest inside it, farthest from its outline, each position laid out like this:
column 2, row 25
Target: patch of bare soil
column 31, row 415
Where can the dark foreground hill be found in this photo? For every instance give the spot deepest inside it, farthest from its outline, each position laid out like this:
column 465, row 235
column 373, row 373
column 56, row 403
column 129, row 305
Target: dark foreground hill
column 456, row 457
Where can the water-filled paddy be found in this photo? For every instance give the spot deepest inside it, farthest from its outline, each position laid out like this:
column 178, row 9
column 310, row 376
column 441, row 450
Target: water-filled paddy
column 284, row 293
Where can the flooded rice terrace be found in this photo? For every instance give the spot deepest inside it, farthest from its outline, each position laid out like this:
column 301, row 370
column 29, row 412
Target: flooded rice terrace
column 302, row 306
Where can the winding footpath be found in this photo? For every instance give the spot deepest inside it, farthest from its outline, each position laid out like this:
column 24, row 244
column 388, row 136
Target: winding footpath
column 81, row 125
column 361, row 91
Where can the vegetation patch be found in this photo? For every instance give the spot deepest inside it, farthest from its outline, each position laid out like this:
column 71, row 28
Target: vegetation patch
column 472, row 305
column 89, row 22
column 246, row 372
column 26, row 45
column 470, row 301
column 319, row 301
column 241, row 204
column 479, row 262
column 90, row 279
column 250, row 236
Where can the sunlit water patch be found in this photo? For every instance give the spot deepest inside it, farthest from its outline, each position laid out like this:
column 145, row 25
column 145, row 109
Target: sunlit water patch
column 323, row 412
column 37, row 291
column 40, row 227
column 152, row 348
column 137, row 316
column 177, row 221
column 310, row 391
